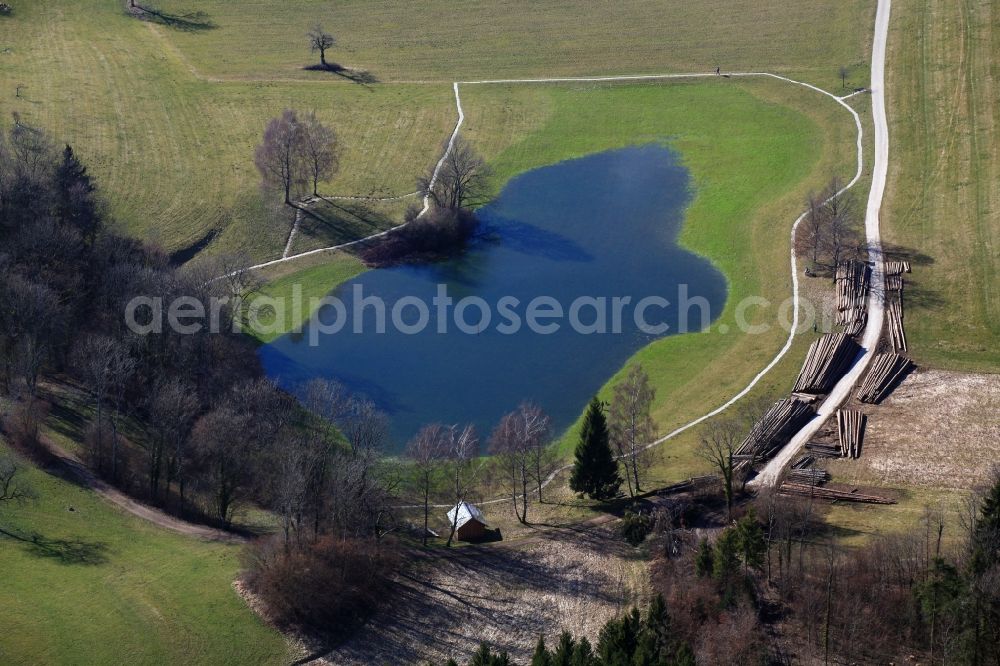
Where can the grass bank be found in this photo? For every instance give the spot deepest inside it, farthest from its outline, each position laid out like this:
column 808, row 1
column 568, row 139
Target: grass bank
column 98, row 586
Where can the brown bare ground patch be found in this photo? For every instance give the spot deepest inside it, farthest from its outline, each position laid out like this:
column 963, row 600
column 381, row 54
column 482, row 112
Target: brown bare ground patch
column 572, row 578
column 938, row 429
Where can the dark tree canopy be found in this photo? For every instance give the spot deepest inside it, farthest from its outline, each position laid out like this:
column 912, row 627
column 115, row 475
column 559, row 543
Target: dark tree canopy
column 595, row 471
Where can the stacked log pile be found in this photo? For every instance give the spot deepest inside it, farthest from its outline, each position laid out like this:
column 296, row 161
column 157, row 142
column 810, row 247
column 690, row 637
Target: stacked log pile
column 884, row 374
column 853, row 279
column 851, row 430
column 894, row 302
column 829, row 358
column 805, row 490
column 821, row 449
column 809, row 476
column 897, row 267
column 894, row 315
column 775, row 429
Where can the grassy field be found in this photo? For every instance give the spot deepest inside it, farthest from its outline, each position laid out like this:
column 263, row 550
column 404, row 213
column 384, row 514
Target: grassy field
column 309, row 283
column 944, row 177
column 439, row 40
column 174, row 153
column 102, row 587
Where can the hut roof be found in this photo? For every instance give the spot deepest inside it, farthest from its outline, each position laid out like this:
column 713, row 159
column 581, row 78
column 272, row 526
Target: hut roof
column 466, row 512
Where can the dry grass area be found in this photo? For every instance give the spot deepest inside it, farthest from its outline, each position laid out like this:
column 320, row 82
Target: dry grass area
column 927, row 446
column 572, row 578
column 938, row 429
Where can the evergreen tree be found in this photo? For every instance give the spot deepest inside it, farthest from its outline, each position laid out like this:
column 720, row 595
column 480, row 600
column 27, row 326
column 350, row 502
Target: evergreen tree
column 541, row 656
column 583, row 654
column 726, row 559
column 705, row 559
column 563, row 654
column 986, row 539
column 74, row 201
column 726, row 564
column 618, row 639
column 595, row 471
column 750, row 537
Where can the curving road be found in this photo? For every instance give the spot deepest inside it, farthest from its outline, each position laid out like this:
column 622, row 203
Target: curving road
column 772, row 471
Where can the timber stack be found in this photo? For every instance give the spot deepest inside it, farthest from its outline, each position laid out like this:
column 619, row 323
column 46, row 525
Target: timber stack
column 853, row 279
column 829, row 359
column 804, row 490
column 775, row 429
column 886, row 371
column 894, row 315
column 851, row 430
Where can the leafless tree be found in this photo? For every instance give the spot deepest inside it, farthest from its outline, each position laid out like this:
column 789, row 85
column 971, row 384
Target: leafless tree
column 107, row 367
column 426, row 452
column 327, row 399
column 320, row 40
column 517, row 442
column 172, row 409
column 462, row 448
column 319, row 150
column 811, row 235
column 631, row 426
column 364, row 425
column 279, row 156
column 719, row 442
column 462, row 180
column 13, row 487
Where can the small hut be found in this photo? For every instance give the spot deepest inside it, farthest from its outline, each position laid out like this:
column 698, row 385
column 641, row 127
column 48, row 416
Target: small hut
column 470, row 524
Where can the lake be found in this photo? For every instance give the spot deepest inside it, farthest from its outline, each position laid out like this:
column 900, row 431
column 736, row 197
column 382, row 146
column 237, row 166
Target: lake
column 569, row 236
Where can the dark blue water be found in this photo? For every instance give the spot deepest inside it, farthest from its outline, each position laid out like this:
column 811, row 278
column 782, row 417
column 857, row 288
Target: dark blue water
column 601, row 226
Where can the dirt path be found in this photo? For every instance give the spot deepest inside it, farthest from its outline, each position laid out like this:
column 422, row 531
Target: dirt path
column 772, row 471
column 80, row 473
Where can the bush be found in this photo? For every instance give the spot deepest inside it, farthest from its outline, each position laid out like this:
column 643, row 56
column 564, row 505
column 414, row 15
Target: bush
column 636, row 526
column 327, row 586
column 432, row 237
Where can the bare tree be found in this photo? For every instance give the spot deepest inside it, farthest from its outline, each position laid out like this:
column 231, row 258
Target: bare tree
column 107, row 366
column 319, row 150
column 517, row 441
column 279, row 156
column 463, row 446
column 172, row 409
column 13, row 487
column 426, row 452
column 364, row 425
column 631, row 425
column 462, row 180
column 810, row 238
column 320, row 40
column 720, row 440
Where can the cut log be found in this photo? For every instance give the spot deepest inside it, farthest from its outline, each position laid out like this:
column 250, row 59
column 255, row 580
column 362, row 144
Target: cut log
column 829, row 358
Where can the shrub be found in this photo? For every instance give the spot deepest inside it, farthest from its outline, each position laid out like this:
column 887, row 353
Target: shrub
column 326, row 586
column 434, row 236
column 636, row 526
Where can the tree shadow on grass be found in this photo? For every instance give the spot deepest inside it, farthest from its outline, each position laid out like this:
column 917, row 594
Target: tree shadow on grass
column 190, row 22
column 359, row 76
column 64, row 551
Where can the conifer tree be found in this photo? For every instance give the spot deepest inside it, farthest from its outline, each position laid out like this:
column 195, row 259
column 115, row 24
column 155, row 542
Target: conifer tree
column 704, row 562
column 74, row 202
column 595, row 471
column 750, row 537
column 541, row 656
